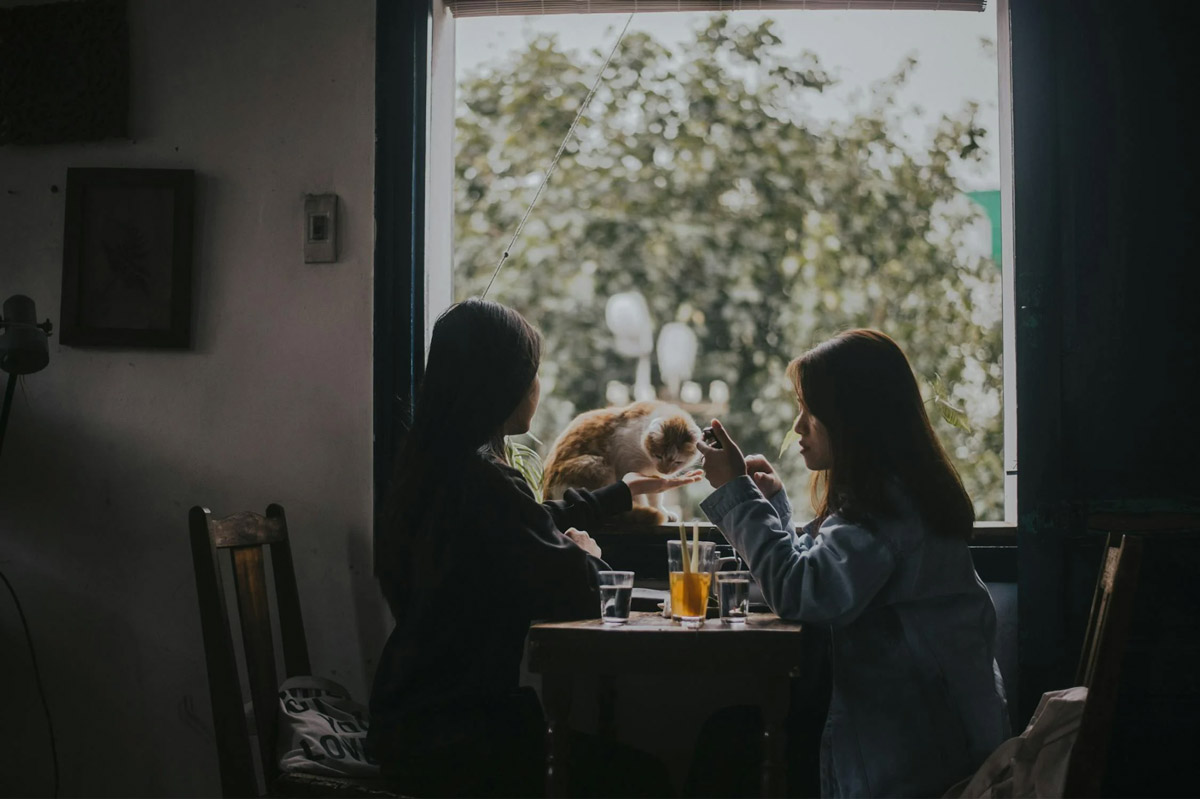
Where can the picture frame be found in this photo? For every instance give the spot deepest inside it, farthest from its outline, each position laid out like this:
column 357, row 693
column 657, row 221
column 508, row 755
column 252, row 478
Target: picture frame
column 127, row 258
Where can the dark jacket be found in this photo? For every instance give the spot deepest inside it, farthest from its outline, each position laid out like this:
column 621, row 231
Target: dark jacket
column 491, row 560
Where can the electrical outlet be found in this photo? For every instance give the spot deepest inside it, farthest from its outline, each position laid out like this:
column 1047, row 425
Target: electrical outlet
column 320, row 228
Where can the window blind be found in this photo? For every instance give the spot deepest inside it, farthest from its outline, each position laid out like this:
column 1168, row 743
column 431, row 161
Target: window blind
column 504, row 8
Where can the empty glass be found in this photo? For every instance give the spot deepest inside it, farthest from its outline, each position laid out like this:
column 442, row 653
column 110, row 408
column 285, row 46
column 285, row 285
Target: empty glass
column 616, row 594
column 733, row 596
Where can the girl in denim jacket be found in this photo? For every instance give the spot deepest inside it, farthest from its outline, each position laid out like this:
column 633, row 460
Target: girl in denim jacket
column 917, row 700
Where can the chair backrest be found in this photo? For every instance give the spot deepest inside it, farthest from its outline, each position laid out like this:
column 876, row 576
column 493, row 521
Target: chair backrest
column 244, row 536
column 1100, row 661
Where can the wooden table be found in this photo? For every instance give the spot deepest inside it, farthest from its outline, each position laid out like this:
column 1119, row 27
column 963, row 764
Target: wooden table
column 765, row 650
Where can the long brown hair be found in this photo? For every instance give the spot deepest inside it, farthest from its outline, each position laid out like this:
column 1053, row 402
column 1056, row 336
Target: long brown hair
column 860, row 385
column 483, row 358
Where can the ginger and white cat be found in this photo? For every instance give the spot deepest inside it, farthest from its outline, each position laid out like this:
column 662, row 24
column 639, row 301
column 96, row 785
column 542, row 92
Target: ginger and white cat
column 600, row 447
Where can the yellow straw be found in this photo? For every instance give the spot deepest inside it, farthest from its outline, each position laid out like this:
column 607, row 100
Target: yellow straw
column 695, row 545
column 683, row 548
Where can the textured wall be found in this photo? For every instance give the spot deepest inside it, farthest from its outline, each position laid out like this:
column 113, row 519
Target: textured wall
column 108, row 448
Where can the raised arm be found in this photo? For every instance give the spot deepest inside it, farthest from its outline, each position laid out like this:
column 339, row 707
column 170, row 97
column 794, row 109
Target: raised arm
column 582, row 508
column 579, row 508
column 829, row 580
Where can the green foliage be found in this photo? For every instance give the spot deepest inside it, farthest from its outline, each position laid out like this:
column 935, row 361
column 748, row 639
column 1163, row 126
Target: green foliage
column 697, row 178
column 526, row 461
column 954, row 416
column 789, row 438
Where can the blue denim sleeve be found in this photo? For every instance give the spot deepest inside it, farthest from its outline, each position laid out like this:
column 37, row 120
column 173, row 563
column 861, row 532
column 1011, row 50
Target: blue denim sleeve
column 783, row 507
column 827, row 580
column 806, row 536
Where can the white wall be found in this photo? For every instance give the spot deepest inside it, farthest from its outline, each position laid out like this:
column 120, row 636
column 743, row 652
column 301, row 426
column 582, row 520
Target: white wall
column 108, row 448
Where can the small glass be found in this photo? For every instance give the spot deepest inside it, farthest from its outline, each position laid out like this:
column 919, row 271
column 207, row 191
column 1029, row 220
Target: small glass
column 689, row 590
column 616, row 595
column 733, row 596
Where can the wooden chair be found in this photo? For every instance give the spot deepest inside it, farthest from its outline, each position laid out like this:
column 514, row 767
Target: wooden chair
column 1099, row 669
column 245, row 536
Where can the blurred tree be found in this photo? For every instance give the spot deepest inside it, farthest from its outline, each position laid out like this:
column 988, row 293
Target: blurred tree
column 696, row 178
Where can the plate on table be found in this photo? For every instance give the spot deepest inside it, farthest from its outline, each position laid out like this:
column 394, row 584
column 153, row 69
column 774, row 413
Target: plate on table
column 647, row 599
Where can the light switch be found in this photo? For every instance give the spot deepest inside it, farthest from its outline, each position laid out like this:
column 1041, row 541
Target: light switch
column 320, row 228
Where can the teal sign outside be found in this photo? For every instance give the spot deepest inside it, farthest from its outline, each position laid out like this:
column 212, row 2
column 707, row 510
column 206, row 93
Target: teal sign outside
column 990, row 202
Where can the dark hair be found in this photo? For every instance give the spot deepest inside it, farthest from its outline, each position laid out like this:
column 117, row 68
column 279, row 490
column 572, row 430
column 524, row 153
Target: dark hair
column 860, row 386
column 483, row 358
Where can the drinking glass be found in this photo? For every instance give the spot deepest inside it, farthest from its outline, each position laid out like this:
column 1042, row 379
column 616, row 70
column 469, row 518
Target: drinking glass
column 689, row 590
column 733, row 596
column 616, row 594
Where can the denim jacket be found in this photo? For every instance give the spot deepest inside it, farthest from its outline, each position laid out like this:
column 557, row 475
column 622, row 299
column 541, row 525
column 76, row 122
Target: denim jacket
column 918, row 701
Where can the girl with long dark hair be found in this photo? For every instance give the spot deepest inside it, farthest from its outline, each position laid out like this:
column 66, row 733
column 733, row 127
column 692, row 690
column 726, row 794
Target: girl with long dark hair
column 467, row 557
column 917, row 700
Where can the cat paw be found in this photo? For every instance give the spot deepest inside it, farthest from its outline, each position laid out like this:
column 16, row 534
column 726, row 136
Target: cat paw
column 671, row 517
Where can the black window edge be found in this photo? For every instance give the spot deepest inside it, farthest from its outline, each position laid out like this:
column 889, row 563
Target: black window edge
column 401, row 72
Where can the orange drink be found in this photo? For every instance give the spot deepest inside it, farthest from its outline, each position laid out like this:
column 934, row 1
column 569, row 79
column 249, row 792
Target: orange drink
column 689, row 594
column 690, row 573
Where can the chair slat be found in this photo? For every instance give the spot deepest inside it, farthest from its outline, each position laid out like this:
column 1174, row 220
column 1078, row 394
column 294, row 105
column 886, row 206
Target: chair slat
column 287, row 595
column 1112, row 618
column 250, row 580
column 1108, row 565
column 229, row 722
column 1112, row 556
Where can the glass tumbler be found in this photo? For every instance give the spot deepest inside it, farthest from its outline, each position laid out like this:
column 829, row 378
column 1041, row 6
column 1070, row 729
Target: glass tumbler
column 689, row 588
column 733, row 596
column 616, row 595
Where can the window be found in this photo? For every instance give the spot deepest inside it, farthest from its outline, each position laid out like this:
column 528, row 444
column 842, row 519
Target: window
column 761, row 180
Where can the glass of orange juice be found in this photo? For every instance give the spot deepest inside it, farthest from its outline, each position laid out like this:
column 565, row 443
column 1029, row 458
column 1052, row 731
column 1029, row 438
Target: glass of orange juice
column 689, row 589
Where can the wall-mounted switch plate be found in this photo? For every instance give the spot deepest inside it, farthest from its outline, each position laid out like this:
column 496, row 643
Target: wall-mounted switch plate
column 320, row 228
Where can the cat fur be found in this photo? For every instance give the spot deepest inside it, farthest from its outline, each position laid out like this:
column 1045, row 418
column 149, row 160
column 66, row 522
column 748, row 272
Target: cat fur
column 600, row 447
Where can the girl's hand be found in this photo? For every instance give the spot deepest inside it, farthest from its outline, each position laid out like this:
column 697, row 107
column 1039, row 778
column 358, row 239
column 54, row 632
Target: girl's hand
column 653, row 484
column 763, row 475
column 583, row 541
column 722, row 464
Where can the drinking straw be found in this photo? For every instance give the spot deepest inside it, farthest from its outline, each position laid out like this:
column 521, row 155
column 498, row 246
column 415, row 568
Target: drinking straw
column 695, row 544
column 683, row 548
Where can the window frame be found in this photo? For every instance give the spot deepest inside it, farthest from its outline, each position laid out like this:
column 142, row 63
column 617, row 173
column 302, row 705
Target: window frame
column 433, row 173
